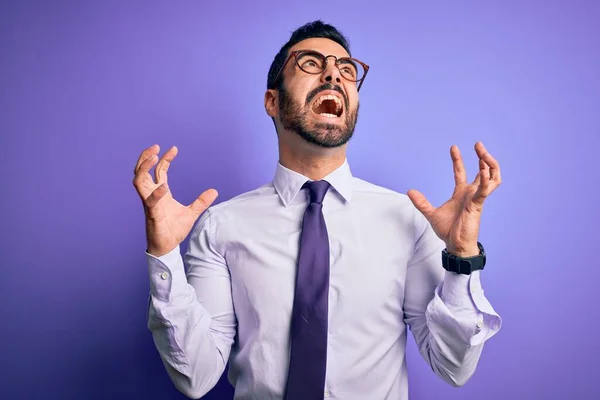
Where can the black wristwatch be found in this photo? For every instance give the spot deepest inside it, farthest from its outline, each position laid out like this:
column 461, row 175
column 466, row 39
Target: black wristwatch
column 463, row 265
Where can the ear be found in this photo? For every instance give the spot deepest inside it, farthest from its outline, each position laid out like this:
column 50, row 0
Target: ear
column 271, row 102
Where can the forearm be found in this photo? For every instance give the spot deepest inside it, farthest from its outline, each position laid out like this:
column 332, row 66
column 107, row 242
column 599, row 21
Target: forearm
column 194, row 355
column 459, row 321
column 447, row 312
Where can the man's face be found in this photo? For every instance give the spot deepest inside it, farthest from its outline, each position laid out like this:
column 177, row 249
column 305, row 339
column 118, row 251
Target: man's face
column 306, row 106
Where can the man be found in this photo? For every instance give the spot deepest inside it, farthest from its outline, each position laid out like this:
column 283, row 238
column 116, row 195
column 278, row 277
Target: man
column 307, row 285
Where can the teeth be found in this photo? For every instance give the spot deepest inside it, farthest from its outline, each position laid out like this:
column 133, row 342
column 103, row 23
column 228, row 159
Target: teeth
column 337, row 100
column 328, row 115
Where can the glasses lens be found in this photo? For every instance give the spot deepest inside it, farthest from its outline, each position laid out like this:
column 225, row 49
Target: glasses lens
column 351, row 69
column 312, row 63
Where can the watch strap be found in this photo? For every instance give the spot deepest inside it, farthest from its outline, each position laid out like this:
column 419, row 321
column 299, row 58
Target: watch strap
column 464, row 265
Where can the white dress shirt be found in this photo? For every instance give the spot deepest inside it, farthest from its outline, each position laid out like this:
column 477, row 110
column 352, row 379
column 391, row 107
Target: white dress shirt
column 233, row 300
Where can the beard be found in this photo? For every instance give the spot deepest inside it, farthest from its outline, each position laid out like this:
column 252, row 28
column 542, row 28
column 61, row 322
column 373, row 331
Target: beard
column 294, row 118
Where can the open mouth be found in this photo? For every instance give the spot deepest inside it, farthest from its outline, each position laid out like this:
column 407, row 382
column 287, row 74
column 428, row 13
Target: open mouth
column 328, row 106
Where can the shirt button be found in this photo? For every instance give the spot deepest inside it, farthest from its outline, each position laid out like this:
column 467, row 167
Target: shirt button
column 479, row 325
column 164, row 275
column 326, row 394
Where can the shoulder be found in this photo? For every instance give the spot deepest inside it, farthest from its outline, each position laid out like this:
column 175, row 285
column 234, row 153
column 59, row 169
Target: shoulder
column 244, row 209
column 367, row 191
column 221, row 220
column 244, row 202
column 397, row 209
column 389, row 204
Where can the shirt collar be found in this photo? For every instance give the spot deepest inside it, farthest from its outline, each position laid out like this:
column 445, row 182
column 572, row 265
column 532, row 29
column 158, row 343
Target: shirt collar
column 288, row 183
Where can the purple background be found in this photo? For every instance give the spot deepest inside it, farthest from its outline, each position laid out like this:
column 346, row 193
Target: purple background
column 85, row 86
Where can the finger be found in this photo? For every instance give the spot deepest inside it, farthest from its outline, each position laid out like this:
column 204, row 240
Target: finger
column 144, row 168
column 483, row 184
column 204, row 201
column 160, row 173
column 483, row 154
column 484, row 173
column 477, row 179
column 142, row 181
column 480, row 149
column 460, row 175
column 154, row 149
column 156, row 196
column 147, row 164
column 421, row 203
column 494, row 167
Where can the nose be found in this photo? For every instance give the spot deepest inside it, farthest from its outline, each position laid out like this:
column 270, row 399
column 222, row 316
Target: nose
column 331, row 72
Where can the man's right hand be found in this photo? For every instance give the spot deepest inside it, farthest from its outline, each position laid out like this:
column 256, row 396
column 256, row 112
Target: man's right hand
column 168, row 222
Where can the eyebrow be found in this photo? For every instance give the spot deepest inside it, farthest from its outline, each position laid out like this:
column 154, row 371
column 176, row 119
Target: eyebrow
column 345, row 60
column 317, row 51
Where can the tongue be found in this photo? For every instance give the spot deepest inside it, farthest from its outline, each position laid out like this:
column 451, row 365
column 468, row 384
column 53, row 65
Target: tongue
column 327, row 107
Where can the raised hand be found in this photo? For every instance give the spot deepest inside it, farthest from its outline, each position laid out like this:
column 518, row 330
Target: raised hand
column 168, row 222
column 457, row 221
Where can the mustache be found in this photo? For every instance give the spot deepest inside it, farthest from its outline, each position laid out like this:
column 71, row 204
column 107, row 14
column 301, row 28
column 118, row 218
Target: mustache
column 327, row 86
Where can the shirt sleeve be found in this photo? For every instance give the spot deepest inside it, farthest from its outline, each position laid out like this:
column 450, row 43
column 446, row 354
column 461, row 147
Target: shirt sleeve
column 447, row 313
column 191, row 315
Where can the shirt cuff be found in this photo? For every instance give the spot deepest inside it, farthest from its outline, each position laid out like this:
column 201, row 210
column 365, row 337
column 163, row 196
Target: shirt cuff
column 167, row 274
column 456, row 289
column 464, row 292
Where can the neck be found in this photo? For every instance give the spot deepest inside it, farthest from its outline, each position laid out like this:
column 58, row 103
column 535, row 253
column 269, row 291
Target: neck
column 310, row 160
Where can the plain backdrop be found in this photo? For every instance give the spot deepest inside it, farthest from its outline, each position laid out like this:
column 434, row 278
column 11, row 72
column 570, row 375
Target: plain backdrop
column 85, row 86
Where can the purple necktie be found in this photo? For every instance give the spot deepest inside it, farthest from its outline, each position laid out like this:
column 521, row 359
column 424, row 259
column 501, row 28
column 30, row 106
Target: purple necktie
column 306, row 376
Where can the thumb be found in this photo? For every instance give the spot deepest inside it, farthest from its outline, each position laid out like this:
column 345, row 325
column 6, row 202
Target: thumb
column 421, row 203
column 204, row 201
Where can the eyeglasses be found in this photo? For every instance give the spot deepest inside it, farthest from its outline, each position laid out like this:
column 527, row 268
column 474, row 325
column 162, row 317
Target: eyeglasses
column 313, row 62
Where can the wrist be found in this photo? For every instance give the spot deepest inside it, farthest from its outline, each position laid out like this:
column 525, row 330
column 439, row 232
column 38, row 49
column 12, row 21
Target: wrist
column 465, row 262
column 464, row 252
column 158, row 251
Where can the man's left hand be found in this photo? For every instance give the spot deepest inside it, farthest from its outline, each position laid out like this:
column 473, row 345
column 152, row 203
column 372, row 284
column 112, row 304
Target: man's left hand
column 457, row 221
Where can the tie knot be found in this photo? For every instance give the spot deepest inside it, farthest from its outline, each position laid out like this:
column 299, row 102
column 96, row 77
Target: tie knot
column 317, row 190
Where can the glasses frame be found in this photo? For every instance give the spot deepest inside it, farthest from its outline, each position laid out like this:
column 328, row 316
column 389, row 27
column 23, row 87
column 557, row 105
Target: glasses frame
column 295, row 54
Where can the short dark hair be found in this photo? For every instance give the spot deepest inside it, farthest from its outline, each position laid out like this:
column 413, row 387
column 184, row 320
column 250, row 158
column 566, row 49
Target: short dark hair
column 315, row 29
